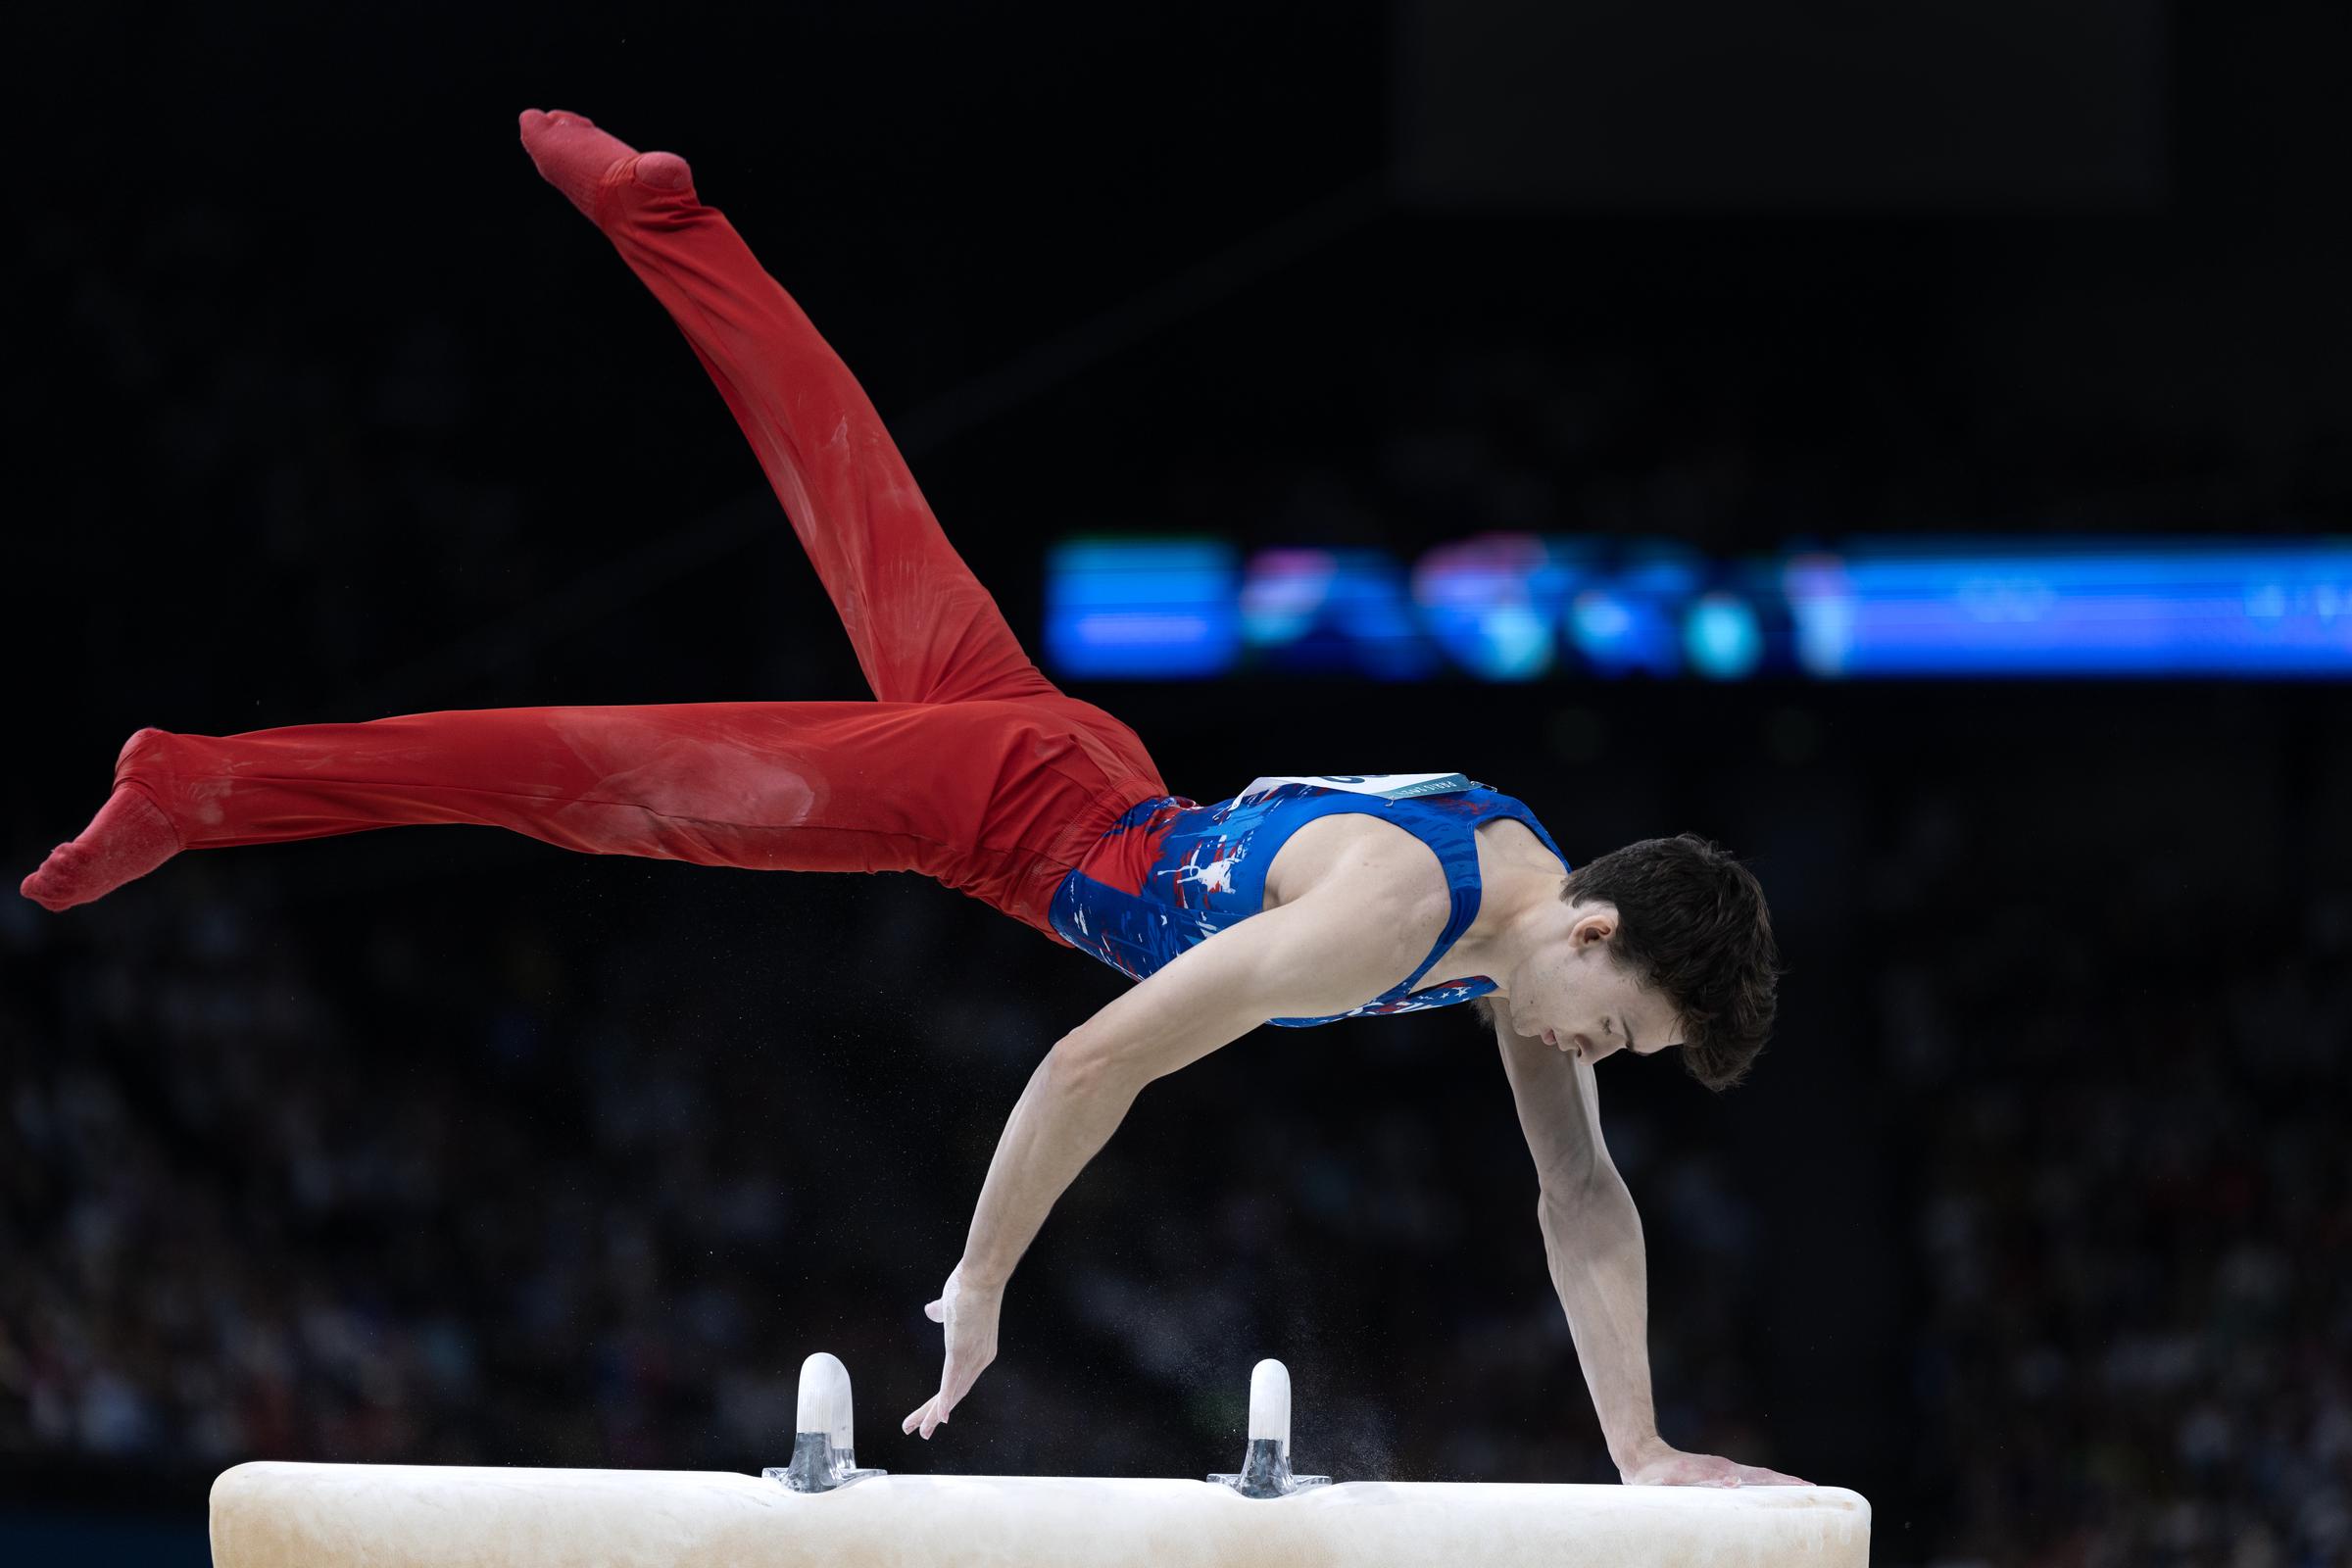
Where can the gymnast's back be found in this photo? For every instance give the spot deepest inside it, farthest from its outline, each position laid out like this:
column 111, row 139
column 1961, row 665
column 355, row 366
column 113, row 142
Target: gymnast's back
column 1170, row 873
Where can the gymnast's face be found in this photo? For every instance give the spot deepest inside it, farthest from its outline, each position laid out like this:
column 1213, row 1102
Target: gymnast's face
column 1574, row 993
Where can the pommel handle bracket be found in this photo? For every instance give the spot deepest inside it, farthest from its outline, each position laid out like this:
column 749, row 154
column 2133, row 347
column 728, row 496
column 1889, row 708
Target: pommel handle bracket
column 1266, row 1467
column 825, row 1451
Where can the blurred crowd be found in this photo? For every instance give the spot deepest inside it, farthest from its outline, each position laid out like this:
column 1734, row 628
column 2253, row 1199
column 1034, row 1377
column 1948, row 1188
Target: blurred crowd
column 2124, row 1057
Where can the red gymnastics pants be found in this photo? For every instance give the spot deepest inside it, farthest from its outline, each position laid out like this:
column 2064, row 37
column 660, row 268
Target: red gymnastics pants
column 970, row 767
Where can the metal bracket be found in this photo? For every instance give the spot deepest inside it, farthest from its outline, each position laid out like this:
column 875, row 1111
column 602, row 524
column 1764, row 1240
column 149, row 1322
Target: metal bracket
column 824, row 1454
column 1266, row 1467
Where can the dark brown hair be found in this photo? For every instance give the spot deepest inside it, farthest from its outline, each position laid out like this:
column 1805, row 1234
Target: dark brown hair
column 1693, row 925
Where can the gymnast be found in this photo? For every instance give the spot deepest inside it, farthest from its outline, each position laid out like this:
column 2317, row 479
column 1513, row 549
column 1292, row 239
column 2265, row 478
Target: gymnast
column 1305, row 900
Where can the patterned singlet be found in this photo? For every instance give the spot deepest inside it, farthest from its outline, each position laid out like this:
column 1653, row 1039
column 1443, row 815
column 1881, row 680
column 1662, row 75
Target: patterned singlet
column 1171, row 873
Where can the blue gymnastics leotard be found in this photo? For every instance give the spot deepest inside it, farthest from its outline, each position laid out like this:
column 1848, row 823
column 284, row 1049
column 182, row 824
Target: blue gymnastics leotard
column 1170, row 873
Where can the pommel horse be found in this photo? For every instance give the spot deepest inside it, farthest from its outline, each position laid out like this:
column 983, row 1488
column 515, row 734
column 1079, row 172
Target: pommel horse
column 822, row 1509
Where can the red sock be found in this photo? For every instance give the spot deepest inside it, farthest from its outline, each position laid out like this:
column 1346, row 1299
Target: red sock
column 129, row 837
column 583, row 161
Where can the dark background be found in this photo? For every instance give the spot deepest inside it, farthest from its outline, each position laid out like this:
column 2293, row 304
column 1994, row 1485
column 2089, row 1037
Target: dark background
column 448, row 1146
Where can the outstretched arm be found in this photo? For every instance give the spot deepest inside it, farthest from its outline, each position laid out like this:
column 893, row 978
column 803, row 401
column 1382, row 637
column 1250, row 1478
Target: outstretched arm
column 1322, row 954
column 1593, row 1248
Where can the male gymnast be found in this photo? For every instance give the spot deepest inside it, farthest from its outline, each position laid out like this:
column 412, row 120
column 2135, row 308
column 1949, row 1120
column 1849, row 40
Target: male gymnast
column 1305, row 900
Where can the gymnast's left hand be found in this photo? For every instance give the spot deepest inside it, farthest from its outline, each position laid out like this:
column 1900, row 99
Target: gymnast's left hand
column 1662, row 1466
column 967, row 1312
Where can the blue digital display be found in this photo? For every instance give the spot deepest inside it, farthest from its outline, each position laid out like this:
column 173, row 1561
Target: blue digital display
column 1143, row 608
column 1332, row 611
column 1722, row 637
column 1493, row 603
column 1516, row 607
column 2061, row 608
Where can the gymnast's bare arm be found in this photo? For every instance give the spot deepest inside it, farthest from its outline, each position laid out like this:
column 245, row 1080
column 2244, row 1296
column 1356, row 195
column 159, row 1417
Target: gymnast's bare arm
column 1322, row 954
column 1593, row 1246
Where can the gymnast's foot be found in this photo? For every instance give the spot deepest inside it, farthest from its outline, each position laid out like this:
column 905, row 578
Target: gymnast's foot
column 583, row 161
column 129, row 837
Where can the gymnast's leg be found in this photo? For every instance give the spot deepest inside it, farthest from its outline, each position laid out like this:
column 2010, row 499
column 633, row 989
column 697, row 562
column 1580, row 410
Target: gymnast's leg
column 924, row 629
column 768, row 786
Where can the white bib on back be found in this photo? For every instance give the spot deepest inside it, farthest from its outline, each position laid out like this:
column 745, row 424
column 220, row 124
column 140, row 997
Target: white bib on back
column 1386, row 785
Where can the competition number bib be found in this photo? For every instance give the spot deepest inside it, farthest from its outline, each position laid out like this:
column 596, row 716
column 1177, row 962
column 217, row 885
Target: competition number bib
column 1386, row 785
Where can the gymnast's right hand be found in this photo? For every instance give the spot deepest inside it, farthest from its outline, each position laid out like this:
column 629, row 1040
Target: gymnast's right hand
column 969, row 1314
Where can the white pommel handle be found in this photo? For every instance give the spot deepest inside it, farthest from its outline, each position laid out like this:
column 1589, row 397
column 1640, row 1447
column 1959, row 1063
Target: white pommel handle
column 825, row 1453
column 825, row 1400
column 1270, row 1404
column 1265, row 1471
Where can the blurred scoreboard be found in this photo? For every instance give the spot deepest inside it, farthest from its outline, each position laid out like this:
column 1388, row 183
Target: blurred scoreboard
column 1518, row 606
